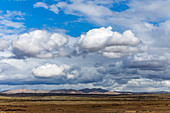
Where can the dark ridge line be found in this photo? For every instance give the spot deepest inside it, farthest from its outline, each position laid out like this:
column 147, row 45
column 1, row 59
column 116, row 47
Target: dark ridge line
column 57, row 94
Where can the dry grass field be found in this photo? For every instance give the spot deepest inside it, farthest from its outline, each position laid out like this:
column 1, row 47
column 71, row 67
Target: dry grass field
column 150, row 103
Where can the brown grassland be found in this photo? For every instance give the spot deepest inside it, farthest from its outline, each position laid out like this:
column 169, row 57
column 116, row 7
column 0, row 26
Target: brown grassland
column 148, row 103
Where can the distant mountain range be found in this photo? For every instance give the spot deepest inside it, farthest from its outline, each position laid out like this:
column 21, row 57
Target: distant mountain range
column 73, row 91
column 62, row 91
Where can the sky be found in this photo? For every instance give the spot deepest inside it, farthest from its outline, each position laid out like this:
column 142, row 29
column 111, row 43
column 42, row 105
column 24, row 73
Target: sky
column 119, row 45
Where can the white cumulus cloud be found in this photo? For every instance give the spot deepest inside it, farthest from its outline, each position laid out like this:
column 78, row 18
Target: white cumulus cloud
column 110, row 44
column 40, row 44
column 41, row 4
column 50, row 70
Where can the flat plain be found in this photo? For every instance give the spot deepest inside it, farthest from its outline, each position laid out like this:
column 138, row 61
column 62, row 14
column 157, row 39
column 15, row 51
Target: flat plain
column 143, row 103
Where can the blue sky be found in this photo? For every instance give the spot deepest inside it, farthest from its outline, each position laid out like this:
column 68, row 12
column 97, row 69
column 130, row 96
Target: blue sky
column 120, row 45
column 40, row 18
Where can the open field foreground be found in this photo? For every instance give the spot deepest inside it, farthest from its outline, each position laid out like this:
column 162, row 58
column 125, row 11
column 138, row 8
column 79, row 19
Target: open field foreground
column 150, row 103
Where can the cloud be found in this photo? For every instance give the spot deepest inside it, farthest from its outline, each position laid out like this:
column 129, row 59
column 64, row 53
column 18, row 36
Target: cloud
column 152, row 9
column 101, row 12
column 87, row 8
column 5, row 54
column 54, row 8
column 64, row 74
column 167, row 83
column 82, row 8
column 41, row 4
column 136, row 85
column 12, row 69
column 91, row 10
column 3, row 44
column 37, row 71
column 43, row 44
column 150, row 66
column 161, row 32
column 18, row 64
column 147, row 65
column 18, row 71
column 110, row 44
column 9, row 23
column 50, row 70
column 141, row 65
column 145, row 85
column 147, row 61
column 110, row 74
column 40, row 44
column 9, row 26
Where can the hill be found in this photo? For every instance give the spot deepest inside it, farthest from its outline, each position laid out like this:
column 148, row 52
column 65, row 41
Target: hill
column 62, row 91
